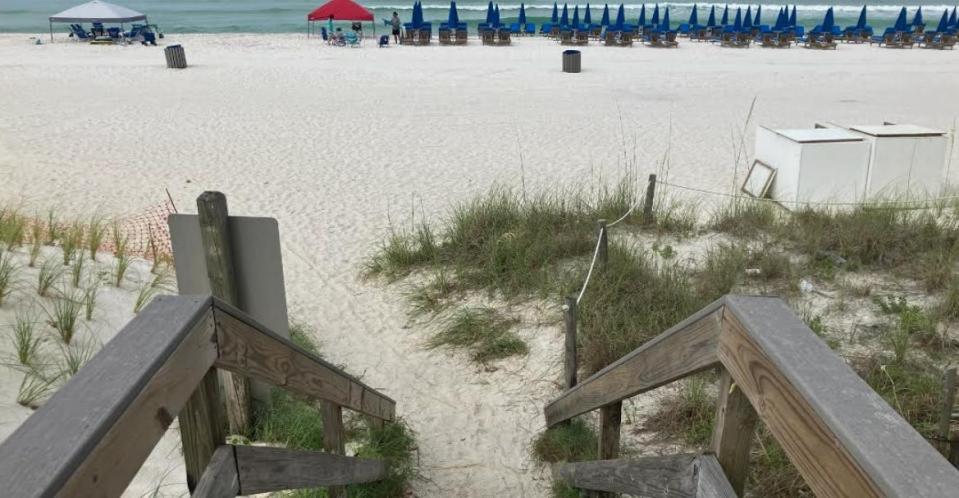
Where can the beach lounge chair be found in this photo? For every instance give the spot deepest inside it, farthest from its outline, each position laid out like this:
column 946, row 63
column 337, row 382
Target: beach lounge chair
column 114, row 34
column 947, row 40
column 566, row 37
column 769, row 40
column 582, row 38
column 744, row 39
column 97, row 29
column 609, row 38
column 907, row 39
column 654, row 39
column 671, row 41
column 408, row 37
column 446, row 37
column 503, row 37
column 545, row 28
column 626, row 39
column 488, row 37
column 515, row 29
column 78, row 32
column 352, row 39
column 595, row 32
column 554, row 31
column 424, row 36
column 529, row 29
column 460, row 37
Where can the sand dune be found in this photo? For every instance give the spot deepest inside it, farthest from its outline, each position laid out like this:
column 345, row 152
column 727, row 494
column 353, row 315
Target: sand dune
column 333, row 141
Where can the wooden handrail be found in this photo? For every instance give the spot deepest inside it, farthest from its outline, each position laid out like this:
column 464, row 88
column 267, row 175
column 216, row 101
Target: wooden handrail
column 252, row 349
column 841, row 435
column 683, row 350
column 93, row 434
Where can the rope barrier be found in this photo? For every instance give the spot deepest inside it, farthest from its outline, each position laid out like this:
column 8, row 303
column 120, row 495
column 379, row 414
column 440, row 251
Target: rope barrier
column 582, row 290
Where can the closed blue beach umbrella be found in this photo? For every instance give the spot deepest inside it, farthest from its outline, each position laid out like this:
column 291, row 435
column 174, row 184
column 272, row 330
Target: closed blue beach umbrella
column 829, row 21
column 665, row 26
column 642, row 15
column 655, row 20
column 861, row 23
column 587, row 19
column 522, row 14
column 605, row 19
column 693, row 17
column 738, row 23
column 620, row 18
column 943, row 22
column 454, row 19
column 901, row 21
column 496, row 15
column 490, row 15
column 555, row 18
column 917, row 20
column 759, row 11
column 792, row 17
column 711, row 20
column 953, row 20
column 576, row 16
column 564, row 18
column 779, row 21
column 748, row 20
column 725, row 19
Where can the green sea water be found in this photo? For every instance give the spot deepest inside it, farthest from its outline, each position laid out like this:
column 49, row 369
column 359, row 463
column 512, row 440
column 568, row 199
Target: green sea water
column 288, row 16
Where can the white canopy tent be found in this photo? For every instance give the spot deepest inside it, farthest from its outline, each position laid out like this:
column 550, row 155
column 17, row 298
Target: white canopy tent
column 97, row 11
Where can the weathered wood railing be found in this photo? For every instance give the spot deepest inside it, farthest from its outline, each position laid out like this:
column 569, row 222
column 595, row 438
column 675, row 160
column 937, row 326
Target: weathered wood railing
column 844, row 439
column 92, row 436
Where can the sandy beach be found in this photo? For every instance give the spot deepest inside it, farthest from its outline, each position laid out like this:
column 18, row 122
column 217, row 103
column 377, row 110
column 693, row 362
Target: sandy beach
column 339, row 143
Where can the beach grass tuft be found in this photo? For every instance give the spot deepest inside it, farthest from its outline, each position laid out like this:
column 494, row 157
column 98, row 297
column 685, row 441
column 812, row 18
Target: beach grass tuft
column 53, row 227
column 96, row 231
column 90, row 298
column 76, row 271
column 394, row 443
column 72, row 242
column 50, row 272
column 160, row 283
column 63, row 315
column 36, row 242
column 120, row 254
column 26, row 342
column 483, row 331
column 9, row 274
column 34, row 389
column 572, row 442
column 12, row 228
column 689, row 414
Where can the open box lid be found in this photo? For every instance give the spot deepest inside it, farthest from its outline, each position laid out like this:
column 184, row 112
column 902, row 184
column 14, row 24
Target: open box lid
column 899, row 130
column 819, row 135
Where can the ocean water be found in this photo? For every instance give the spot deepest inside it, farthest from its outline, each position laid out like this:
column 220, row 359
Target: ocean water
column 289, row 16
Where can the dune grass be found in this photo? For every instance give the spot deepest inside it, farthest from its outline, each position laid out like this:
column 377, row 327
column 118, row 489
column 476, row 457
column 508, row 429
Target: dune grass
column 72, row 242
column 9, row 274
column 36, row 242
column 572, row 442
column 89, row 299
column 483, row 331
column 63, row 315
column 34, row 389
column 96, row 231
column 50, row 272
column 26, row 340
column 161, row 283
column 120, row 253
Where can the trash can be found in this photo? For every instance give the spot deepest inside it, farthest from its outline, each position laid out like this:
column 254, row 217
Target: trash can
column 571, row 61
column 175, row 57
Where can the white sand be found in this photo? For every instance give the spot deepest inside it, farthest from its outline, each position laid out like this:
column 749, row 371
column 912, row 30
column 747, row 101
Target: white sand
column 329, row 141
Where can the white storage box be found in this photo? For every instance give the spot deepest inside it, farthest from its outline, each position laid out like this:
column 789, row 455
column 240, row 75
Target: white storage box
column 814, row 165
column 907, row 161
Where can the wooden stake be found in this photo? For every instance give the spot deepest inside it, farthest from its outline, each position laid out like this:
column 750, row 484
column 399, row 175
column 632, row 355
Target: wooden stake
column 945, row 413
column 202, row 427
column 215, row 234
column 569, row 312
column 648, row 204
column 603, row 256
column 333, row 438
column 734, row 431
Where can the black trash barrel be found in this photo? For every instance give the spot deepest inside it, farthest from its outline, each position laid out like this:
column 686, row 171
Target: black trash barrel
column 571, row 61
column 175, row 57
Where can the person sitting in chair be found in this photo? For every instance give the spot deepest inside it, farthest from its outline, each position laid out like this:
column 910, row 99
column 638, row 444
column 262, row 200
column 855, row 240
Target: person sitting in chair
column 339, row 37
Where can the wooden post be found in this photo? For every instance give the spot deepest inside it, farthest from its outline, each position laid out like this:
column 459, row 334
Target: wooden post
column 333, row 438
column 603, row 255
column 201, row 427
column 945, row 413
column 215, row 234
column 569, row 312
column 734, row 431
column 648, row 204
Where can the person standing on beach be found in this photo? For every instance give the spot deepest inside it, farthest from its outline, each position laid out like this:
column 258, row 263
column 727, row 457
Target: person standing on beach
column 329, row 25
column 395, row 23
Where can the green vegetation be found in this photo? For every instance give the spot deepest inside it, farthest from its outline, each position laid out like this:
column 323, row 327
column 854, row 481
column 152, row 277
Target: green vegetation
column 161, row 283
column 484, row 332
column 50, row 272
column 689, row 414
column 63, row 316
column 8, row 276
column 26, row 343
column 572, row 442
column 121, row 258
column 95, row 233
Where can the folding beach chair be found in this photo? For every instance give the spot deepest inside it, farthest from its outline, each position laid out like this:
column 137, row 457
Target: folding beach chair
column 384, row 41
